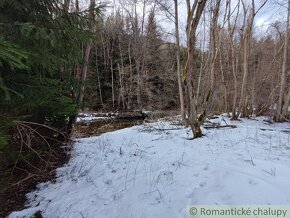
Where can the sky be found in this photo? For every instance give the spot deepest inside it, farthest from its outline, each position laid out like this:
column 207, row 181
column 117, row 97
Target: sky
column 269, row 13
column 273, row 10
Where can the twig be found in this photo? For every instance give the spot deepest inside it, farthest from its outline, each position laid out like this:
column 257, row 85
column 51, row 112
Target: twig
column 22, row 140
column 30, row 175
column 41, row 136
column 42, row 125
column 21, row 147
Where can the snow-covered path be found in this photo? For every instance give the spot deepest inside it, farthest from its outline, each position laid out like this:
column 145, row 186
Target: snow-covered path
column 143, row 172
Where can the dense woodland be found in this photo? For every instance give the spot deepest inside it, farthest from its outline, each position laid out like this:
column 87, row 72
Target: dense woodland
column 59, row 57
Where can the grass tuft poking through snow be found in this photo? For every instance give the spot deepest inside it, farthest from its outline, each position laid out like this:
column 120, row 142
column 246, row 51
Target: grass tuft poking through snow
column 152, row 170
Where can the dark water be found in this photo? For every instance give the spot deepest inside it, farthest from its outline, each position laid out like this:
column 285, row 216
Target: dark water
column 98, row 127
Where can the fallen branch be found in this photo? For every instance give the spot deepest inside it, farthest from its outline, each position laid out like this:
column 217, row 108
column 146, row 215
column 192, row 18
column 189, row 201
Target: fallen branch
column 168, row 129
column 284, row 117
column 30, row 175
column 219, row 126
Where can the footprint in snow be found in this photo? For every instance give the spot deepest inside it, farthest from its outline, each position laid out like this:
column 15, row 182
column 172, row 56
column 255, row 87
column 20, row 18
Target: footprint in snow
column 251, row 182
column 108, row 182
column 202, row 184
column 191, row 191
column 206, row 167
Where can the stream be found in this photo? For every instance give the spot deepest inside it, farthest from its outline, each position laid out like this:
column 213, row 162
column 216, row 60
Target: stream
column 97, row 127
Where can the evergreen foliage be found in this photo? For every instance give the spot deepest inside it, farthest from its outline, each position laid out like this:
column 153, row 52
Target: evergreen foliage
column 39, row 48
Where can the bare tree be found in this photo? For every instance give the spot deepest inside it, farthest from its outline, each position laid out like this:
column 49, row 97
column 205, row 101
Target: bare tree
column 179, row 71
column 87, row 52
column 214, row 49
column 283, row 102
column 232, row 57
column 246, row 37
column 138, row 41
column 194, row 12
column 174, row 17
column 66, row 4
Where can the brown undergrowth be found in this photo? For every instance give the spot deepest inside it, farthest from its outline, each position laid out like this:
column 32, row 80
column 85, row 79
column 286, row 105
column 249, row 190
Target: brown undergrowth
column 33, row 154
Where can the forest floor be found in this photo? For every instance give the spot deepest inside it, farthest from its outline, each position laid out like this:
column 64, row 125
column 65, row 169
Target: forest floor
column 153, row 170
column 22, row 168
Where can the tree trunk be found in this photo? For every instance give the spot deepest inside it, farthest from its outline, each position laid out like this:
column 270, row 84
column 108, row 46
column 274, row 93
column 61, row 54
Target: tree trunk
column 247, row 37
column 253, row 94
column 247, row 33
column 84, row 71
column 129, row 103
column 233, row 59
column 98, row 77
column 179, row 73
column 224, row 84
column 280, row 111
column 87, row 54
column 112, row 83
column 138, row 84
column 121, row 79
column 286, row 104
column 193, row 17
column 242, row 105
column 66, row 4
column 214, row 50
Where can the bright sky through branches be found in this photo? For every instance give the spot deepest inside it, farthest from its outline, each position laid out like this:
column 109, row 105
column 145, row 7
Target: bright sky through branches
column 273, row 11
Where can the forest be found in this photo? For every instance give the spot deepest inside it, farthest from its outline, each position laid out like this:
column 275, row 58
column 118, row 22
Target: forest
column 198, row 58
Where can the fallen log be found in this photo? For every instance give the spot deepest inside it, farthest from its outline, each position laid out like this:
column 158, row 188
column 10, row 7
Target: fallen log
column 219, row 126
column 138, row 115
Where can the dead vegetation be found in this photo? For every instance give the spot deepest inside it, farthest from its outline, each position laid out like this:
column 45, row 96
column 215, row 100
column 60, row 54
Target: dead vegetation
column 32, row 156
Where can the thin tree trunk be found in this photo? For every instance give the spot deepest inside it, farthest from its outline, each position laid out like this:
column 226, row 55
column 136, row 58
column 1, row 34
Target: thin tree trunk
column 121, row 74
column 121, row 92
column 77, row 6
column 280, row 111
column 233, row 59
column 66, row 5
column 179, row 72
column 129, row 104
column 214, row 52
column 112, row 83
column 87, row 54
column 247, row 36
column 286, row 104
column 138, row 83
column 224, row 84
column 245, row 44
column 245, row 77
column 98, row 77
column 253, row 94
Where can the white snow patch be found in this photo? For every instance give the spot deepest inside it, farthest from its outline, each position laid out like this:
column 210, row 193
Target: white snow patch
column 91, row 118
column 152, row 170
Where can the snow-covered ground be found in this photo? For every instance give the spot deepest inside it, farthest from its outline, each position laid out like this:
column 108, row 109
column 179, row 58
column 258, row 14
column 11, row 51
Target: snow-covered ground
column 85, row 117
column 147, row 172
